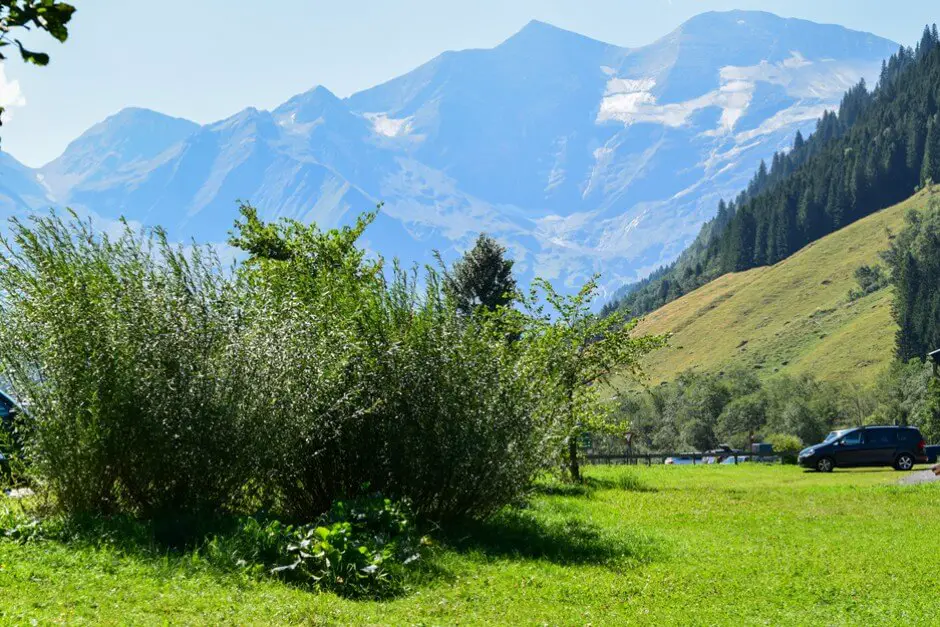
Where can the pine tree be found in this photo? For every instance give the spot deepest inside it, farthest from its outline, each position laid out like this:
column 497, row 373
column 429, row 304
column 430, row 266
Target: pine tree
column 914, row 258
column 930, row 170
column 916, row 137
column 906, row 279
column 483, row 277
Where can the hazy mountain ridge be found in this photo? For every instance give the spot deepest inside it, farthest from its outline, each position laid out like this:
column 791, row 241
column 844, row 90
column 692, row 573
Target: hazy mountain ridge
column 580, row 155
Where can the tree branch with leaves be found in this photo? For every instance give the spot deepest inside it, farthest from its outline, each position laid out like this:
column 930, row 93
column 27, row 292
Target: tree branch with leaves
column 17, row 16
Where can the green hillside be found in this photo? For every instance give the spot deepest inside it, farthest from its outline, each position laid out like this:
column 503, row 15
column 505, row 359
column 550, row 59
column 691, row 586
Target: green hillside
column 792, row 317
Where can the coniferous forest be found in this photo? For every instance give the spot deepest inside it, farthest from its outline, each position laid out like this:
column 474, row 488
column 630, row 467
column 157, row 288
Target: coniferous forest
column 879, row 147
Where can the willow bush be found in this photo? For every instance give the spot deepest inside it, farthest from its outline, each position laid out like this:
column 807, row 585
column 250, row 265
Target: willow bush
column 375, row 380
column 124, row 351
column 158, row 382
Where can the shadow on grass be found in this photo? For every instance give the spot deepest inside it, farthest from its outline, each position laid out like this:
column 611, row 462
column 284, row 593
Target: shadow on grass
column 628, row 482
column 520, row 533
column 227, row 548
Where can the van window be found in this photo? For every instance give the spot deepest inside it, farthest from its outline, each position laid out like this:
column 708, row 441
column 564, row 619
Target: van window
column 853, row 438
column 880, row 436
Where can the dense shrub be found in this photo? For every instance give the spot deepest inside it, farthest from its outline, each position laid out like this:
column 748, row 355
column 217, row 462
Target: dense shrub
column 123, row 350
column 870, row 279
column 158, row 383
column 366, row 378
column 787, row 447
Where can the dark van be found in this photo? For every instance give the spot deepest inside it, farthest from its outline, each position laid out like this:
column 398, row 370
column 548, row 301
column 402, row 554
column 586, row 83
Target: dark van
column 899, row 447
column 8, row 442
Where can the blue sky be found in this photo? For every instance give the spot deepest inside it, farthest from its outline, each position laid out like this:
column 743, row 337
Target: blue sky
column 207, row 59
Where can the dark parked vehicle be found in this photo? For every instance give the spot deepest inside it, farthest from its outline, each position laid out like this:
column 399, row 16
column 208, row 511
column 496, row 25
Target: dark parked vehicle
column 899, row 447
column 933, row 452
column 8, row 443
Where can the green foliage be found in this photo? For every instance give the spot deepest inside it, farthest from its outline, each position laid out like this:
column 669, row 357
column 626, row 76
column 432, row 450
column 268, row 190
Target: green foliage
column 744, row 415
column 357, row 549
column 162, row 385
column 123, row 349
column 583, row 351
column 700, row 411
column 362, row 378
column 482, row 277
column 873, row 153
column 44, row 15
column 870, row 279
column 914, row 258
column 909, row 394
column 787, row 447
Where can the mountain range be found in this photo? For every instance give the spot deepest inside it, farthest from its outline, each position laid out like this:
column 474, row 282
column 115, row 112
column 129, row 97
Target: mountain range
column 582, row 157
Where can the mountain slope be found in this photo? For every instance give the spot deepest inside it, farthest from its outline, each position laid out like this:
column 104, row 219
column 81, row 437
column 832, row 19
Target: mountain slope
column 580, row 156
column 20, row 188
column 793, row 317
column 871, row 154
column 107, row 153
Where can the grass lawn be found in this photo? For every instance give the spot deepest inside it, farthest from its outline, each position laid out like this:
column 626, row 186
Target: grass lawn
column 663, row 545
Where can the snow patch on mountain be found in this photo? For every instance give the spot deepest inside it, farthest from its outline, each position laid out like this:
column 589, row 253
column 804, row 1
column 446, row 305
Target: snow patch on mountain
column 389, row 127
column 632, row 100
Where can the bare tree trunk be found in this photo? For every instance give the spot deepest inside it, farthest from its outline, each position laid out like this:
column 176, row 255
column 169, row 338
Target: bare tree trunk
column 573, row 466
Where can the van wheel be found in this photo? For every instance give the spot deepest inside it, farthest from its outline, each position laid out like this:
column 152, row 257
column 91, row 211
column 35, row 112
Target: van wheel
column 905, row 461
column 825, row 464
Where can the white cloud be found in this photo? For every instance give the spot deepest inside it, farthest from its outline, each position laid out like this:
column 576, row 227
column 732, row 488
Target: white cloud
column 11, row 95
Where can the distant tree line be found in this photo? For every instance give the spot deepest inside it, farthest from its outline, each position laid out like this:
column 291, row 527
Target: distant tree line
column 701, row 410
column 874, row 152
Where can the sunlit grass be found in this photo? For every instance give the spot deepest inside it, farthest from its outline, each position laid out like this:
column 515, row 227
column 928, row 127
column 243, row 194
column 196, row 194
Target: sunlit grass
column 662, row 545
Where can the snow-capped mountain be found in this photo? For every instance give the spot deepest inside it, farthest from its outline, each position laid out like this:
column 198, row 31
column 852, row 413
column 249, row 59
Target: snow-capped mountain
column 581, row 156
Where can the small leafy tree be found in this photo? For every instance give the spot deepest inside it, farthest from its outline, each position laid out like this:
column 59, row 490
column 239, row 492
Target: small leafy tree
column 45, row 15
column 787, row 447
column 586, row 350
column 482, row 278
column 747, row 414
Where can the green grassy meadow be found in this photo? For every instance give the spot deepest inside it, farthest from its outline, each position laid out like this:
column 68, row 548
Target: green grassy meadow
column 699, row 545
column 793, row 317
